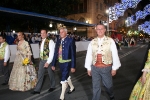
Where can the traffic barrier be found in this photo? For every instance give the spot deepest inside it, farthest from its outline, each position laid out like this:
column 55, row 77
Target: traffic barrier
column 80, row 46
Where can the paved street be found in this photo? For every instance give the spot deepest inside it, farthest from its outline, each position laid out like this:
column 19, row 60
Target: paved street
column 131, row 59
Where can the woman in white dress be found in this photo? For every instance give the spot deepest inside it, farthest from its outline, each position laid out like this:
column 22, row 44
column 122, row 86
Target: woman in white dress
column 22, row 78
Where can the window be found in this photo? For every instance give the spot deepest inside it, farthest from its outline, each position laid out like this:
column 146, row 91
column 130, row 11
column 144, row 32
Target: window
column 85, row 5
column 81, row 7
column 75, row 8
column 96, row 5
column 101, row 7
column 106, row 1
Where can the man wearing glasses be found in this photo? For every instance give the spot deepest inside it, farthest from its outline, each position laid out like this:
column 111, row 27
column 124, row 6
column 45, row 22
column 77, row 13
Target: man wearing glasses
column 101, row 62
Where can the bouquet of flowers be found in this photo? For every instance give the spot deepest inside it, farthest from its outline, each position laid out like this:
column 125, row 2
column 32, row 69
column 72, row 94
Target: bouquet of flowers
column 25, row 62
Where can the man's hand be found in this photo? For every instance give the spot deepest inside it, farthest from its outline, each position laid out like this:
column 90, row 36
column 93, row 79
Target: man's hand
column 53, row 68
column 113, row 72
column 46, row 65
column 5, row 63
column 89, row 72
column 73, row 70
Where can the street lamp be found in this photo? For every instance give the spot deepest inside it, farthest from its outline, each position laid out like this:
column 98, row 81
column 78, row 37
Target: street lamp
column 75, row 28
column 126, row 22
column 107, row 12
column 14, row 31
column 87, row 21
column 50, row 25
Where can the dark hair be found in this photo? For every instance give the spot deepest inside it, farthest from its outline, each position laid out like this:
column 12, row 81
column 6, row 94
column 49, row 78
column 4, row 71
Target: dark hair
column 44, row 29
column 3, row 33
column 3, row 36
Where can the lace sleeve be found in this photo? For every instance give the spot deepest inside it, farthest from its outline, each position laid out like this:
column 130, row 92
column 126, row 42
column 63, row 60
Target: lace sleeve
column 28, row 49
column 146, row 67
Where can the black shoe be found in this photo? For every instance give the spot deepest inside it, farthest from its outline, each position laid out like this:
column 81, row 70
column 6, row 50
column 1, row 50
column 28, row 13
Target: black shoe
column 69, row 92
column 51, row 89
column 4, row 84
column 61, row 99
column 112, row 98
column 35, row 92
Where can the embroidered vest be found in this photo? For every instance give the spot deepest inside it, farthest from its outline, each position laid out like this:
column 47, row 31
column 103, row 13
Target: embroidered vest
column 105, row 50
column 2, row 50
column 99, row 62
column 60, row 59
column 45, row 54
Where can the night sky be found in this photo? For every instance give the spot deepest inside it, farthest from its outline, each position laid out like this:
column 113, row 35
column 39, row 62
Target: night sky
column 143, row 4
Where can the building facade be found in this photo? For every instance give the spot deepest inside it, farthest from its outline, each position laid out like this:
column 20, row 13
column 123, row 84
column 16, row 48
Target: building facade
column 89, row 11
column 94, row 11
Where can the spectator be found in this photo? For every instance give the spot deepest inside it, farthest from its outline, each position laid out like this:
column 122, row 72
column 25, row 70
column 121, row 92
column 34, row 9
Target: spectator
column 33, row 39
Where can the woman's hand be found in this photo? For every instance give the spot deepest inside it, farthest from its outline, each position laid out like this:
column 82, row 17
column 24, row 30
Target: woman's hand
column 31, row 63
column 143, row 80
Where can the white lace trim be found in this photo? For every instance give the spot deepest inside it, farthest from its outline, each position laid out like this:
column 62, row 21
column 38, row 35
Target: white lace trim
column 63, row 81
column 66, row 80
column 145, row 70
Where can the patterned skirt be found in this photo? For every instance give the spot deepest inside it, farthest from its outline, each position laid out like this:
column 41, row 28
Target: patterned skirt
column 140, row 91
column 22, row 78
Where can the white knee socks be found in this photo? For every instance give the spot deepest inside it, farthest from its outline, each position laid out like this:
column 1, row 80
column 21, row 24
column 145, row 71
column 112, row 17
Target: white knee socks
column 64, row 87
column 70, row 83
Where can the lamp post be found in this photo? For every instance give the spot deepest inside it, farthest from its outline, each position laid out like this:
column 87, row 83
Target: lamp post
column 87, row 27
column 87, row 21
column 126, row 22
column 75, row 29
column 50, row 25
column 107, row 12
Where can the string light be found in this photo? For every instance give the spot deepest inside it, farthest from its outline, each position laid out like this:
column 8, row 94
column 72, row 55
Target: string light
column 138, row 15
column 145, row 27
column 119, row 8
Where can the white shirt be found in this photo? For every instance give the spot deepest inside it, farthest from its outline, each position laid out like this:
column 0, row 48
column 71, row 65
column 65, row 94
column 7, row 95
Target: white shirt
column 89, row 59
column 7, row 52
column 39, row 39
column 36, row 38
column 51, row 49
column 33, row 39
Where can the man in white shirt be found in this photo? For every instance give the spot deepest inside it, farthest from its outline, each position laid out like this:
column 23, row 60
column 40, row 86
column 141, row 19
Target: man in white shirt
column 102, row 62
column 46, row 55
column 4, row 59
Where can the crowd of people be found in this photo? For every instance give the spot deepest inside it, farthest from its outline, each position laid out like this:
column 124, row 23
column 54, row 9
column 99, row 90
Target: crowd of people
column 126, row 42
column 11, row 38
column 129, row 41
column 102, row 62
